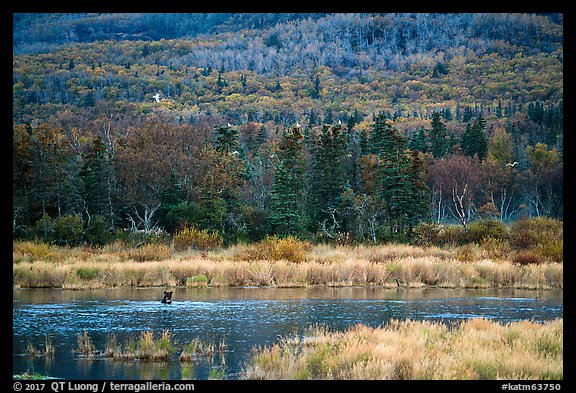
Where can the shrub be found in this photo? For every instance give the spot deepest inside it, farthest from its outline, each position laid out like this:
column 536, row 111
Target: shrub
column 98, row 233
column 426, row 234
column 34, row 251
column 530, row 233
column 541, row 235
column 527, row 258
column 150, row 252
column 200, row 239
column 553, row 251
column 479, row 231
column 496, row 248
column 468, row 253
column 451, row 235
column 43, row 229
column 68, row 230
column 274, row 248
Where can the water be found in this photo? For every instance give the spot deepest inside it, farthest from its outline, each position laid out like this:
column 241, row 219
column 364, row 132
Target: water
column 241, row 317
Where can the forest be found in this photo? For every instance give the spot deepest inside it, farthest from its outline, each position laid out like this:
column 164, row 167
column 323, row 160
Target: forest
column 340, row 128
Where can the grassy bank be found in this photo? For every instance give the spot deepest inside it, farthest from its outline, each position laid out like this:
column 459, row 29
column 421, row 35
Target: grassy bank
column 295, row 265
column 474, row 349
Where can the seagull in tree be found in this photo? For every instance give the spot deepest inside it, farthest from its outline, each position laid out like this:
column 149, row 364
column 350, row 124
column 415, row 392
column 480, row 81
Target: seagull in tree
column 513, row 164
column 339, row 123
column 297, row 124
column 157, row 97
column 229, row 125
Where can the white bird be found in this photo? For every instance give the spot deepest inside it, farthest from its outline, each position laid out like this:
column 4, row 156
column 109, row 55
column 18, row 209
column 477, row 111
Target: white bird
column 512, row 165
column 157, row 97
column 297, row 124
column 339, row 123
column 229, row 125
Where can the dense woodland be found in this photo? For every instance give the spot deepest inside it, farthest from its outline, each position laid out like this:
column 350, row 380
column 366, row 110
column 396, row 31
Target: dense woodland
column 331, row 127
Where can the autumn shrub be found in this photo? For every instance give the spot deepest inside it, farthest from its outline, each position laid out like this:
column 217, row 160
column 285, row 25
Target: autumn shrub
column 200, row 239
column 530, row 233
column 496, row 248
column 468, row 253
column 542, row 236
column 527, row 258
column 426, row 234
column 553, row 251
column 150, row 252
column 33, row 251
column 274, row 248
column 451, row 235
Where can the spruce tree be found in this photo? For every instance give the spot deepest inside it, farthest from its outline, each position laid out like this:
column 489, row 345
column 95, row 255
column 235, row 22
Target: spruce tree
column 285, row 218
column 393, row 167
column 438, row 137
column 329, row 172
column 287, row 197
column 474, row 141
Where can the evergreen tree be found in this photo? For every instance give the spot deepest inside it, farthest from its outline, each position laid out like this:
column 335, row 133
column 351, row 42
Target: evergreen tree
column 312, row 119
column 499, row 113
column 467, row 115
column 393, row 167
column 438, row 137
column 377, row 137
column 329, row 173
column 419, row 141
column 226, row 139
column 357, row 116
column 474, row 141
column 287, row 196
column 418, row 207
column 328, row 117
column 95, row 182
column 285, row 218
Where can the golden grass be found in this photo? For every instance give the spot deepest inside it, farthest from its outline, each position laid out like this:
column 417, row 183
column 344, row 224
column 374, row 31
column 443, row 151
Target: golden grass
column 37, row 265
column 473, row 349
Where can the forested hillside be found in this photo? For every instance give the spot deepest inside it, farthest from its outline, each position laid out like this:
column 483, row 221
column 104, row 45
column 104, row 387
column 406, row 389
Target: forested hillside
column 343, row 127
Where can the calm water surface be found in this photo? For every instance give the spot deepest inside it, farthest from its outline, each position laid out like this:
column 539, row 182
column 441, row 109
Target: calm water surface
column 241, row 317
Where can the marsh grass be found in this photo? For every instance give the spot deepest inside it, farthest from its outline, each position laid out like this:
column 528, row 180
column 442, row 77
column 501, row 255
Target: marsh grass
column 49, row 348
column 198, row 347
column 468, row 266
column 472, row 349
column 146, row 348
column 85, row 345
column 31, row 350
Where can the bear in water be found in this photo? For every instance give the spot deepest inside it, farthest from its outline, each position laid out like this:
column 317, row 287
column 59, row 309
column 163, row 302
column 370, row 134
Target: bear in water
column 167, row 297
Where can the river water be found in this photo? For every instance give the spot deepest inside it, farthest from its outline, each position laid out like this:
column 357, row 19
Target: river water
column 243, row 318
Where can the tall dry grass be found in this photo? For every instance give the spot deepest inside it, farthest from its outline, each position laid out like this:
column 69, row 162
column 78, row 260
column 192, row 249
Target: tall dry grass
column 113, row 266
column 474, row 349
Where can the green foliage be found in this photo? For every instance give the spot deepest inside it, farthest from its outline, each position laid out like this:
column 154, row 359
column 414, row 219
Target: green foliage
column 481, row 231
column 97, row 233
column 474, row 140
column 200, row 280
column 438, row 136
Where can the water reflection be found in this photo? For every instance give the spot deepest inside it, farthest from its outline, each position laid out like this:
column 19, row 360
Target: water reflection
column 241, row 317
